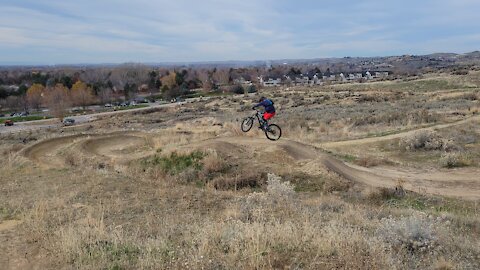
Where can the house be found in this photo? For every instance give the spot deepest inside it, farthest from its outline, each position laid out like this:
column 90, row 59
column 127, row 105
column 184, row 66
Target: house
column 302, row 80
column 342, row 77
column 316, row 80
column 10, row 88
column 382, row 74
column 351, row 77
column 270, row 82
column 242, row 81
column 368, row 75
column 358, row 75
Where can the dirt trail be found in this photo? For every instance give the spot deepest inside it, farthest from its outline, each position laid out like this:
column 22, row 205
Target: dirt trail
column 121, row 147
column 46, row 152
column 463, row 183
column 397, row 135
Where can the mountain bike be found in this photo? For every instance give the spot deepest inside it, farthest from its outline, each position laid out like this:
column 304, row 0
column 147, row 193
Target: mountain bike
column 272, row 131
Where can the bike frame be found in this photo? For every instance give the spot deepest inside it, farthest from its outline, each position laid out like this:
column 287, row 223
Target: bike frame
column 259, row 116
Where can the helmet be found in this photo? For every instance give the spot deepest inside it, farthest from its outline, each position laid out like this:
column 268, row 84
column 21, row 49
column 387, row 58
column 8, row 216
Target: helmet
column 262, row 99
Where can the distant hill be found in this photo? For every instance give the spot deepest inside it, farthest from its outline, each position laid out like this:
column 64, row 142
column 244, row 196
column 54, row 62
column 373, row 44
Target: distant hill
column 415, row 60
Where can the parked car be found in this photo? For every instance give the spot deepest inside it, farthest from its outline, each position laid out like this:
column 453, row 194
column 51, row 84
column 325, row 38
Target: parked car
column 2, row 115
column 9, row 123
column 108, row 105
column 68, row 122
column 140, row 100
column 13, row 114
column 24, row 113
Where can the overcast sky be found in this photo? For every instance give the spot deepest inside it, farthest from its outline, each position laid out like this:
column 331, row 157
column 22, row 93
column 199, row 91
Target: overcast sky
column 116, row 31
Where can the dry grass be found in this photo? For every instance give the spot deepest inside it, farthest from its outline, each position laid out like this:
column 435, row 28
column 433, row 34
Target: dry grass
column 263, row 230
column 226, row 212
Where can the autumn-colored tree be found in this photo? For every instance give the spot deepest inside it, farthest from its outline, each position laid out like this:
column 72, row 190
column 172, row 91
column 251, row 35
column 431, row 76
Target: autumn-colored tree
column 57, row 100
column 82, row 95
column 169, row 80
column 35, row 95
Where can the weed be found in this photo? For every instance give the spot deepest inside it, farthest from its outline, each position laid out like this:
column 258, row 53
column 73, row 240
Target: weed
column 176, row 163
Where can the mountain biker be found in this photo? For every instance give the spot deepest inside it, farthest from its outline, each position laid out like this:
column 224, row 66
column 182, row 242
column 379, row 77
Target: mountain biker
column 269, row 109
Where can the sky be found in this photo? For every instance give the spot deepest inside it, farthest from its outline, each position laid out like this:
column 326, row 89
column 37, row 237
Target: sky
column 152, row 31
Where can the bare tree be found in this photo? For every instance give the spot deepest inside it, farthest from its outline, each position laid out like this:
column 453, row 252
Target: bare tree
column 221, row 76
column 15, row 103
column 129, row 76
column 106, row 95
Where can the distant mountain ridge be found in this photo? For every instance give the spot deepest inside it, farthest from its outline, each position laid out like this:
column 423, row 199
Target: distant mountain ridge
column 448, row 57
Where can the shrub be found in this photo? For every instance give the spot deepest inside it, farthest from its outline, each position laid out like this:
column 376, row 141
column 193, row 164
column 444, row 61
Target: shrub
column 453, row 160
column 470, row 96
column 212, row 164
column 259, row 206
column 246, row 180
column 251, row 89
column 278, row 189
column 426, row 140
column 383, row 194
column 237, row 89
column 415, row 234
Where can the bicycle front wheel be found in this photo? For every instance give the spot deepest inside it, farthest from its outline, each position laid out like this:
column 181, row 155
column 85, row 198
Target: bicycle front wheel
column 247, row 124
column 273, row 132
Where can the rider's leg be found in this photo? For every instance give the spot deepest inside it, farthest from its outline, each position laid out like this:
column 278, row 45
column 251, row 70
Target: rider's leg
column 266, row 117
column 265, row 122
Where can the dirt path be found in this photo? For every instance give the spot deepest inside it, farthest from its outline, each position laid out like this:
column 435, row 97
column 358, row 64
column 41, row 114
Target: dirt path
column 46, row 153
column 120, row 148
column 127, row 146
column 396, row 135
column 461, row 183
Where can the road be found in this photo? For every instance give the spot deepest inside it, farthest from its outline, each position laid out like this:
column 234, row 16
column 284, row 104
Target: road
column 80, row 119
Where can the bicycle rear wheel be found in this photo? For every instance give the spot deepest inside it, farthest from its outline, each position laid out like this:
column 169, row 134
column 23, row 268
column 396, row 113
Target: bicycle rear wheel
column 273, row 132
column 247, row 124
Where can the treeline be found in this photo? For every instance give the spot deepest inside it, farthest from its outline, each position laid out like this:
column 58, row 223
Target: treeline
column 109, row 84
column 127, row 81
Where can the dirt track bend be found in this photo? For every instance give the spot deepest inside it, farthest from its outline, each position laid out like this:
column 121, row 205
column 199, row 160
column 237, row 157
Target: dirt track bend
column 398, row 135
column 118, row 147
column 127, row 146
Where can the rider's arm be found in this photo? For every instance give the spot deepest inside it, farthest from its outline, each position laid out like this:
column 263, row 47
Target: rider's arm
column 263, row 103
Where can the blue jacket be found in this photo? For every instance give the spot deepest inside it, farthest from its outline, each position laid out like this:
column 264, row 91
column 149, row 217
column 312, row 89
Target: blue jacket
column 267, row 104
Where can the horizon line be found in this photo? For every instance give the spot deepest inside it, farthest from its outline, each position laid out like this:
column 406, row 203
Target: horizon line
column 173, row 63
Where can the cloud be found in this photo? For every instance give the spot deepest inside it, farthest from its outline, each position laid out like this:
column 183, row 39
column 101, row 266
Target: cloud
column 185, row 30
